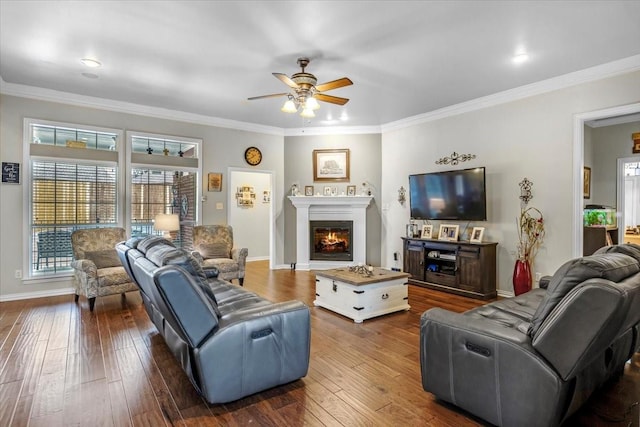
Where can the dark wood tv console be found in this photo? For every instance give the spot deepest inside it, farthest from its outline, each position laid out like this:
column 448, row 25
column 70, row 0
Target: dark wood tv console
column 461, row 268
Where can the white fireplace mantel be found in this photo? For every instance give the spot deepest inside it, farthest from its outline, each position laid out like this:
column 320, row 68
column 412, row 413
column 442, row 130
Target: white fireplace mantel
column 326, row 208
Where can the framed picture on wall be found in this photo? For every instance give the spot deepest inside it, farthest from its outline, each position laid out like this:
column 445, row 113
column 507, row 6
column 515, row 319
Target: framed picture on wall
column 331, row 165
column 214, row 181
column 586, row 182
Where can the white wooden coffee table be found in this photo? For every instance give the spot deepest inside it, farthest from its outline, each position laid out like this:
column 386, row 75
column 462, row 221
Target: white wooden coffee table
column 361, row 297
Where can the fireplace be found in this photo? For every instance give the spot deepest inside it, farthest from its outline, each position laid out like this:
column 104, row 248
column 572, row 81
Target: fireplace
column 330, row 240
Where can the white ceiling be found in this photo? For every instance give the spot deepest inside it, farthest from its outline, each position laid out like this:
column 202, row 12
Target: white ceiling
column 405, row 57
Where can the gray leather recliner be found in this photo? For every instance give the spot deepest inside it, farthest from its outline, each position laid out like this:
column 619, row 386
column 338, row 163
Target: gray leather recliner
column 534, row 359
column 230, row 342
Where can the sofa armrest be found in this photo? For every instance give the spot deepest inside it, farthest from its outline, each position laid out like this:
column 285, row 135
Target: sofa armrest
column 543, row 283
column 270, row 346
column 197, row 256
column 85, row 266
column 240, row 255
column 563, row 338
column 488, row 368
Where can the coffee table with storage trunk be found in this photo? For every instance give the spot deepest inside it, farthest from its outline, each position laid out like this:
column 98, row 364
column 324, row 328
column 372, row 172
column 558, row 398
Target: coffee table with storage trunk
column 358, row 296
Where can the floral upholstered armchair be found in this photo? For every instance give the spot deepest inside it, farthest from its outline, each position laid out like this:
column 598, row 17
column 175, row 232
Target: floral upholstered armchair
column 213, row 247
column 97, row 268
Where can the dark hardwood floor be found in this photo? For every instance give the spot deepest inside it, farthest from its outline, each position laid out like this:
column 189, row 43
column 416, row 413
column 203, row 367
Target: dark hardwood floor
column 63, row 365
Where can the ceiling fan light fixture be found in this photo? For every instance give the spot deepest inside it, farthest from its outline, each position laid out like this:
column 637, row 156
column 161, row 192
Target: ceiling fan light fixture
column 91, row 63
column 307, row 113
column 289, row 107
column 312, row 103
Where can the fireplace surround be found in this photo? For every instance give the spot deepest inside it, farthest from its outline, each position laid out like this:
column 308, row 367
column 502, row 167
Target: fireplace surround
column 330, row 208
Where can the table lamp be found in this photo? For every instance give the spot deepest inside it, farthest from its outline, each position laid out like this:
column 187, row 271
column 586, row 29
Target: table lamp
column 167, row 223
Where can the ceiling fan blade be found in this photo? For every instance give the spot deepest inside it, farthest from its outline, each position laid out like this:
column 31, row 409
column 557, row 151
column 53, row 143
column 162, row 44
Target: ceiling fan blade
column 331, row 99
column 286, row 80
column 334, row 84
column 273, row 95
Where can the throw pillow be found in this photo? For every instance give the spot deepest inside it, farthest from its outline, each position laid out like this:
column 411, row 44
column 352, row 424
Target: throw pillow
column 104, row 259
column 610, row 266
column 214, row 250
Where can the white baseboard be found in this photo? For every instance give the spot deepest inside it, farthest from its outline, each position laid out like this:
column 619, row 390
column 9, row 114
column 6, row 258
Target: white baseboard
column 37, row 294
column 258, row 258
column 505, row 294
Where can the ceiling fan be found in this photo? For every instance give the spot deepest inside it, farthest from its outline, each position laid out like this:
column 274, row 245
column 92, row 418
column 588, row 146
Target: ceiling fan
column 305, row 92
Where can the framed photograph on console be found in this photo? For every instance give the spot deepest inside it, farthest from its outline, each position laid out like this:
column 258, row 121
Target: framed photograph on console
column 476, row 235
column 427, row 230
column 449, row 232
column 331, row 165
column 308, row 190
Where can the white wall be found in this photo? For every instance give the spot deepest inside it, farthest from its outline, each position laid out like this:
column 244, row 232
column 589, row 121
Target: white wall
column 250, row 225
column 222, row 148
column 609, row 143
column 531, row 138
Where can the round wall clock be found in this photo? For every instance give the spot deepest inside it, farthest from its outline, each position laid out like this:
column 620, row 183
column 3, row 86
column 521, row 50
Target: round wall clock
column 253, row 156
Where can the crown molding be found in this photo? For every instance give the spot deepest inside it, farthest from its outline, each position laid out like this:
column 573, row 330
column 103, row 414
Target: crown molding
column 611, row 69
column 42, row 94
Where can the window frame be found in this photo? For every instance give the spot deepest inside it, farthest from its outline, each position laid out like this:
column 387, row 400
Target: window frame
column 164, row 163
column 66, row 157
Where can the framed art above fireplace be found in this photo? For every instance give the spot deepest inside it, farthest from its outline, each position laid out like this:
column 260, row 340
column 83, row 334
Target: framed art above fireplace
column 331, row 165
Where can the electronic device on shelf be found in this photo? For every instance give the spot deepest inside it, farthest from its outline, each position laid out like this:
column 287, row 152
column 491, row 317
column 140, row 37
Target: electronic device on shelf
column 451, row 257
column 450, row 195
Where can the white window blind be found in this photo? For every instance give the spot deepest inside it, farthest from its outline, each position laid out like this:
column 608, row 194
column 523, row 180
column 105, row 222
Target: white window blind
column 64, row 197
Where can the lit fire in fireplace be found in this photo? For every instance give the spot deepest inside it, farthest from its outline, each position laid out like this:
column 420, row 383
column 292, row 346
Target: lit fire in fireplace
column 332, row 242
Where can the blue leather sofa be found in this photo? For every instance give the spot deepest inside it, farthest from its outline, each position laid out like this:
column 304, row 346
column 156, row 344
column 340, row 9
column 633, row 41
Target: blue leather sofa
column 534, row 359
column 230, row 342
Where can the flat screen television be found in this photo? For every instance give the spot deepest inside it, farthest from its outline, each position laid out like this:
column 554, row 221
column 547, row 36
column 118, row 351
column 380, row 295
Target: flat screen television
column 451, row 195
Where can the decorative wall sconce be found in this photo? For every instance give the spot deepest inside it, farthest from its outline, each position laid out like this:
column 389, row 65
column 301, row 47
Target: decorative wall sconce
column 455, row 159
column 402, row 195
column 525, row 190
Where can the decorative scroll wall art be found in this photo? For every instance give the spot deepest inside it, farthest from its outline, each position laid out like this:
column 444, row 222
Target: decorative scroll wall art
column 455, row 159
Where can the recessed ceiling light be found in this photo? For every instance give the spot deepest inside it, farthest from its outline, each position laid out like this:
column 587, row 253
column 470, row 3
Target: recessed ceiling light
column 90, row 62
column 90, row 75
column 520, row 58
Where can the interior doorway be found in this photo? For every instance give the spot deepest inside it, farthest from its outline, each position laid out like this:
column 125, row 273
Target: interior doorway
column 628, row 195
column 251, row 212
column 578, row 164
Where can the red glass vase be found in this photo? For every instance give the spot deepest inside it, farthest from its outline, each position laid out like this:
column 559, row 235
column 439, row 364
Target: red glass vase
column 521, row 277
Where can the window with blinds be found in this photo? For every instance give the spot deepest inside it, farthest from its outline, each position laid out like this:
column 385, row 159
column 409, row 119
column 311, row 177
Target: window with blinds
column 73, row 183
column 163, row 180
